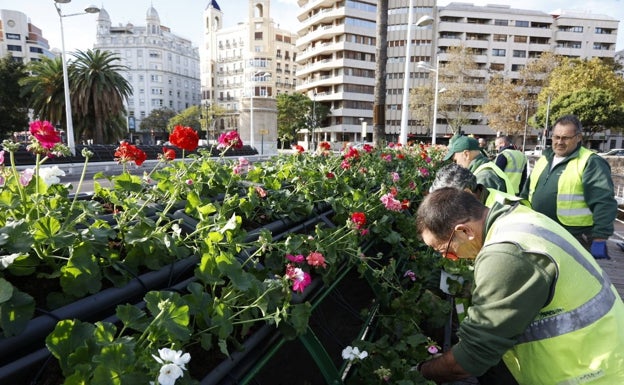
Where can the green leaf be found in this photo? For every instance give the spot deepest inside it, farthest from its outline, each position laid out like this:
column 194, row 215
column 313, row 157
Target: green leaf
column 66, row 338
column 127, row 182
column 6, row 290
column 16, row 312
column 171, row 314
column 46, row 228
column 81, row 275
column 132, row 317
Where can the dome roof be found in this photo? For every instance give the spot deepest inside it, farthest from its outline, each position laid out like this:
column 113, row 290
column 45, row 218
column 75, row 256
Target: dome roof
column 103, row 15
column 152, row 14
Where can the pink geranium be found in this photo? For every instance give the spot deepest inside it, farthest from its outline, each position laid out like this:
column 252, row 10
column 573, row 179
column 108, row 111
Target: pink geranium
column 300, row 278
column 316, row 259
column 390, row 202
column 230, row 139
column 295, row 258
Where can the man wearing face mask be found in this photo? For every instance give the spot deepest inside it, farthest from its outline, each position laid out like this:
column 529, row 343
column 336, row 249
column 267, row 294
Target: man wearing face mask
column 540, row 302
column 573, row 186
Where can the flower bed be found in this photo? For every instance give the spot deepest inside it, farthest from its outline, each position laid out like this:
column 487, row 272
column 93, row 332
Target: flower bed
column 263, row 246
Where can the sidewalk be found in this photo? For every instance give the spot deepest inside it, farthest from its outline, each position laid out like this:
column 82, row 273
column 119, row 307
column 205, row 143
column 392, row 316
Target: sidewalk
column 614, row 267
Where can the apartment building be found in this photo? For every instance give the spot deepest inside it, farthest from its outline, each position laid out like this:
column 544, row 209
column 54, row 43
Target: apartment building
column 244, row 68
column 163, row 69
column 20, row 38
column 503, row 39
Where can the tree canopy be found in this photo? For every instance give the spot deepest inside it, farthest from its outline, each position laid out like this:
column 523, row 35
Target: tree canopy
column 13, row 104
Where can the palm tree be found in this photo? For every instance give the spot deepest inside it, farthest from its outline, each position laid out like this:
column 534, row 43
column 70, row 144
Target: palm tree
column 98, row 93
column 45, row 89
column 379, row 114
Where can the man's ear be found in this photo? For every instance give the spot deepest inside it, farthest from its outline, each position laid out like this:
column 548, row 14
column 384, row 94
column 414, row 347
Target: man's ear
column 466, row 229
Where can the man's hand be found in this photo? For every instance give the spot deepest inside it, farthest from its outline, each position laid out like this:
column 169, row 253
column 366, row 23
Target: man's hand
column 599, row 249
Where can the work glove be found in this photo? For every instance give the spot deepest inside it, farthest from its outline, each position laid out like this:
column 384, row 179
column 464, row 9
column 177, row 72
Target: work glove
column 599, row 250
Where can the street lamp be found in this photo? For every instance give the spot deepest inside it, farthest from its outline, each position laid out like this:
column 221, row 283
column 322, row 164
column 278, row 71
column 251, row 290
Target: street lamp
column 363, row 123
column 313, row 118
column 435, row 95
column 68, row 112
column 264, row 75
column 422, row 22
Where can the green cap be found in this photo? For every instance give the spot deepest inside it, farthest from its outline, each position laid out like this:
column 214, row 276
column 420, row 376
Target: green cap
column 460, row 144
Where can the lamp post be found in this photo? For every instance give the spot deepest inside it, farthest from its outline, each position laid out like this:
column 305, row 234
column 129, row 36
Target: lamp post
column 262, row 74
column 313, row 118
column 435, row 95
column 71, row 143
column 422, row 22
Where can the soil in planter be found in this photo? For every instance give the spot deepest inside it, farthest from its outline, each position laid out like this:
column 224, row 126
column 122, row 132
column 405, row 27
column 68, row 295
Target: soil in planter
column 336, row 322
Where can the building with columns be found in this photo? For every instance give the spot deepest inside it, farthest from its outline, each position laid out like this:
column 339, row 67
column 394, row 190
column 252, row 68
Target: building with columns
column 163, row 69
column 244, row 68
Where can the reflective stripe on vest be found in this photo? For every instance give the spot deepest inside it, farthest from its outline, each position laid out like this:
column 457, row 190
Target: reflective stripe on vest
column 492, row 166
column 516, row 161
column 571, row 207
column 575, row 319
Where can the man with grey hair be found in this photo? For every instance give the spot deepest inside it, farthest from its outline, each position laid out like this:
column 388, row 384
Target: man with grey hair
column 454, row 175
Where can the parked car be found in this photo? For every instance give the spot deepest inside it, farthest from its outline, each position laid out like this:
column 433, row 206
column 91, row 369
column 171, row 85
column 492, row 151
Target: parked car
column 537, row 151
column 613, row 152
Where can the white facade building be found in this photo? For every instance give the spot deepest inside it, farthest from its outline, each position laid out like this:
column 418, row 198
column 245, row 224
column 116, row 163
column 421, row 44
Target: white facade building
column 163, row 69
column 20, row 38
column 244, row 68
column 503, row 39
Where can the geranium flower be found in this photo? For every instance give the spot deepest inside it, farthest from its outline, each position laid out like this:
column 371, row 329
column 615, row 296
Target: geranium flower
column 300, row 278
column 127, row 152
column 295, row 258
column 176, row 357
column 411, row 275
column 50, row 175
column 168, row 154
column 325, row 146
column 330, row 175
column 353, row 353
column 184, row 137
column 345, row 165
column 2, row 157
column 390, row 202
column 367, row 148
column 230, row 139
column 261, row 192
column 352, row 153
column 299, row 148
column 26, row 176
column 169, row 373
column 359, row 219
column 45, row 133
column 316, row 259
column 395, row 176
column 242, row 167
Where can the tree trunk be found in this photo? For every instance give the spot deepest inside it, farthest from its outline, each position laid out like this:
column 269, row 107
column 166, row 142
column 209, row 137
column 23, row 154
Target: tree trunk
column 379, row 108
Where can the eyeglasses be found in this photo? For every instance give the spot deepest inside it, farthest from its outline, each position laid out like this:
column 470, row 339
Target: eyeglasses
column 447, row 254
column 557, row 138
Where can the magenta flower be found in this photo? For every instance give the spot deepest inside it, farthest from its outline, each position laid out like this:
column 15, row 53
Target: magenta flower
column 300, row 278
column 45, row 133
column 230, row 139
column 395, row 176
column 424, row 172
column 2, row 157
column 411, row 275
column 295, row 258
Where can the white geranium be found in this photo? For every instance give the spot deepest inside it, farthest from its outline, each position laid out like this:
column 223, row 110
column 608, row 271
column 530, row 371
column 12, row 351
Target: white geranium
column 173, row 363
column 50, row 175
column 352, row 353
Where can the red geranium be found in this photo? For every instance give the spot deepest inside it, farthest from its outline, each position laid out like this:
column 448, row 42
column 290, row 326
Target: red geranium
column 184, row 137
column 127, row 152
column 299, row 148
column 168, row 154
column 358, row 219
column 230, row 139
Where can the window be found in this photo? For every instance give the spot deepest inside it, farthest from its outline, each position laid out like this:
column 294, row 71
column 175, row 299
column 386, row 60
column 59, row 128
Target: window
column 522, row 23
column 16, row 48
column 518, row 53
column 497, row 67
column 498, row 52
column 499, row 37
column 520, row 39
column 258, row 35
column 501, row 22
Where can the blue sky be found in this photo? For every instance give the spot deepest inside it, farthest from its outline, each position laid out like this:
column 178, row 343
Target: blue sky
column 184, row 17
